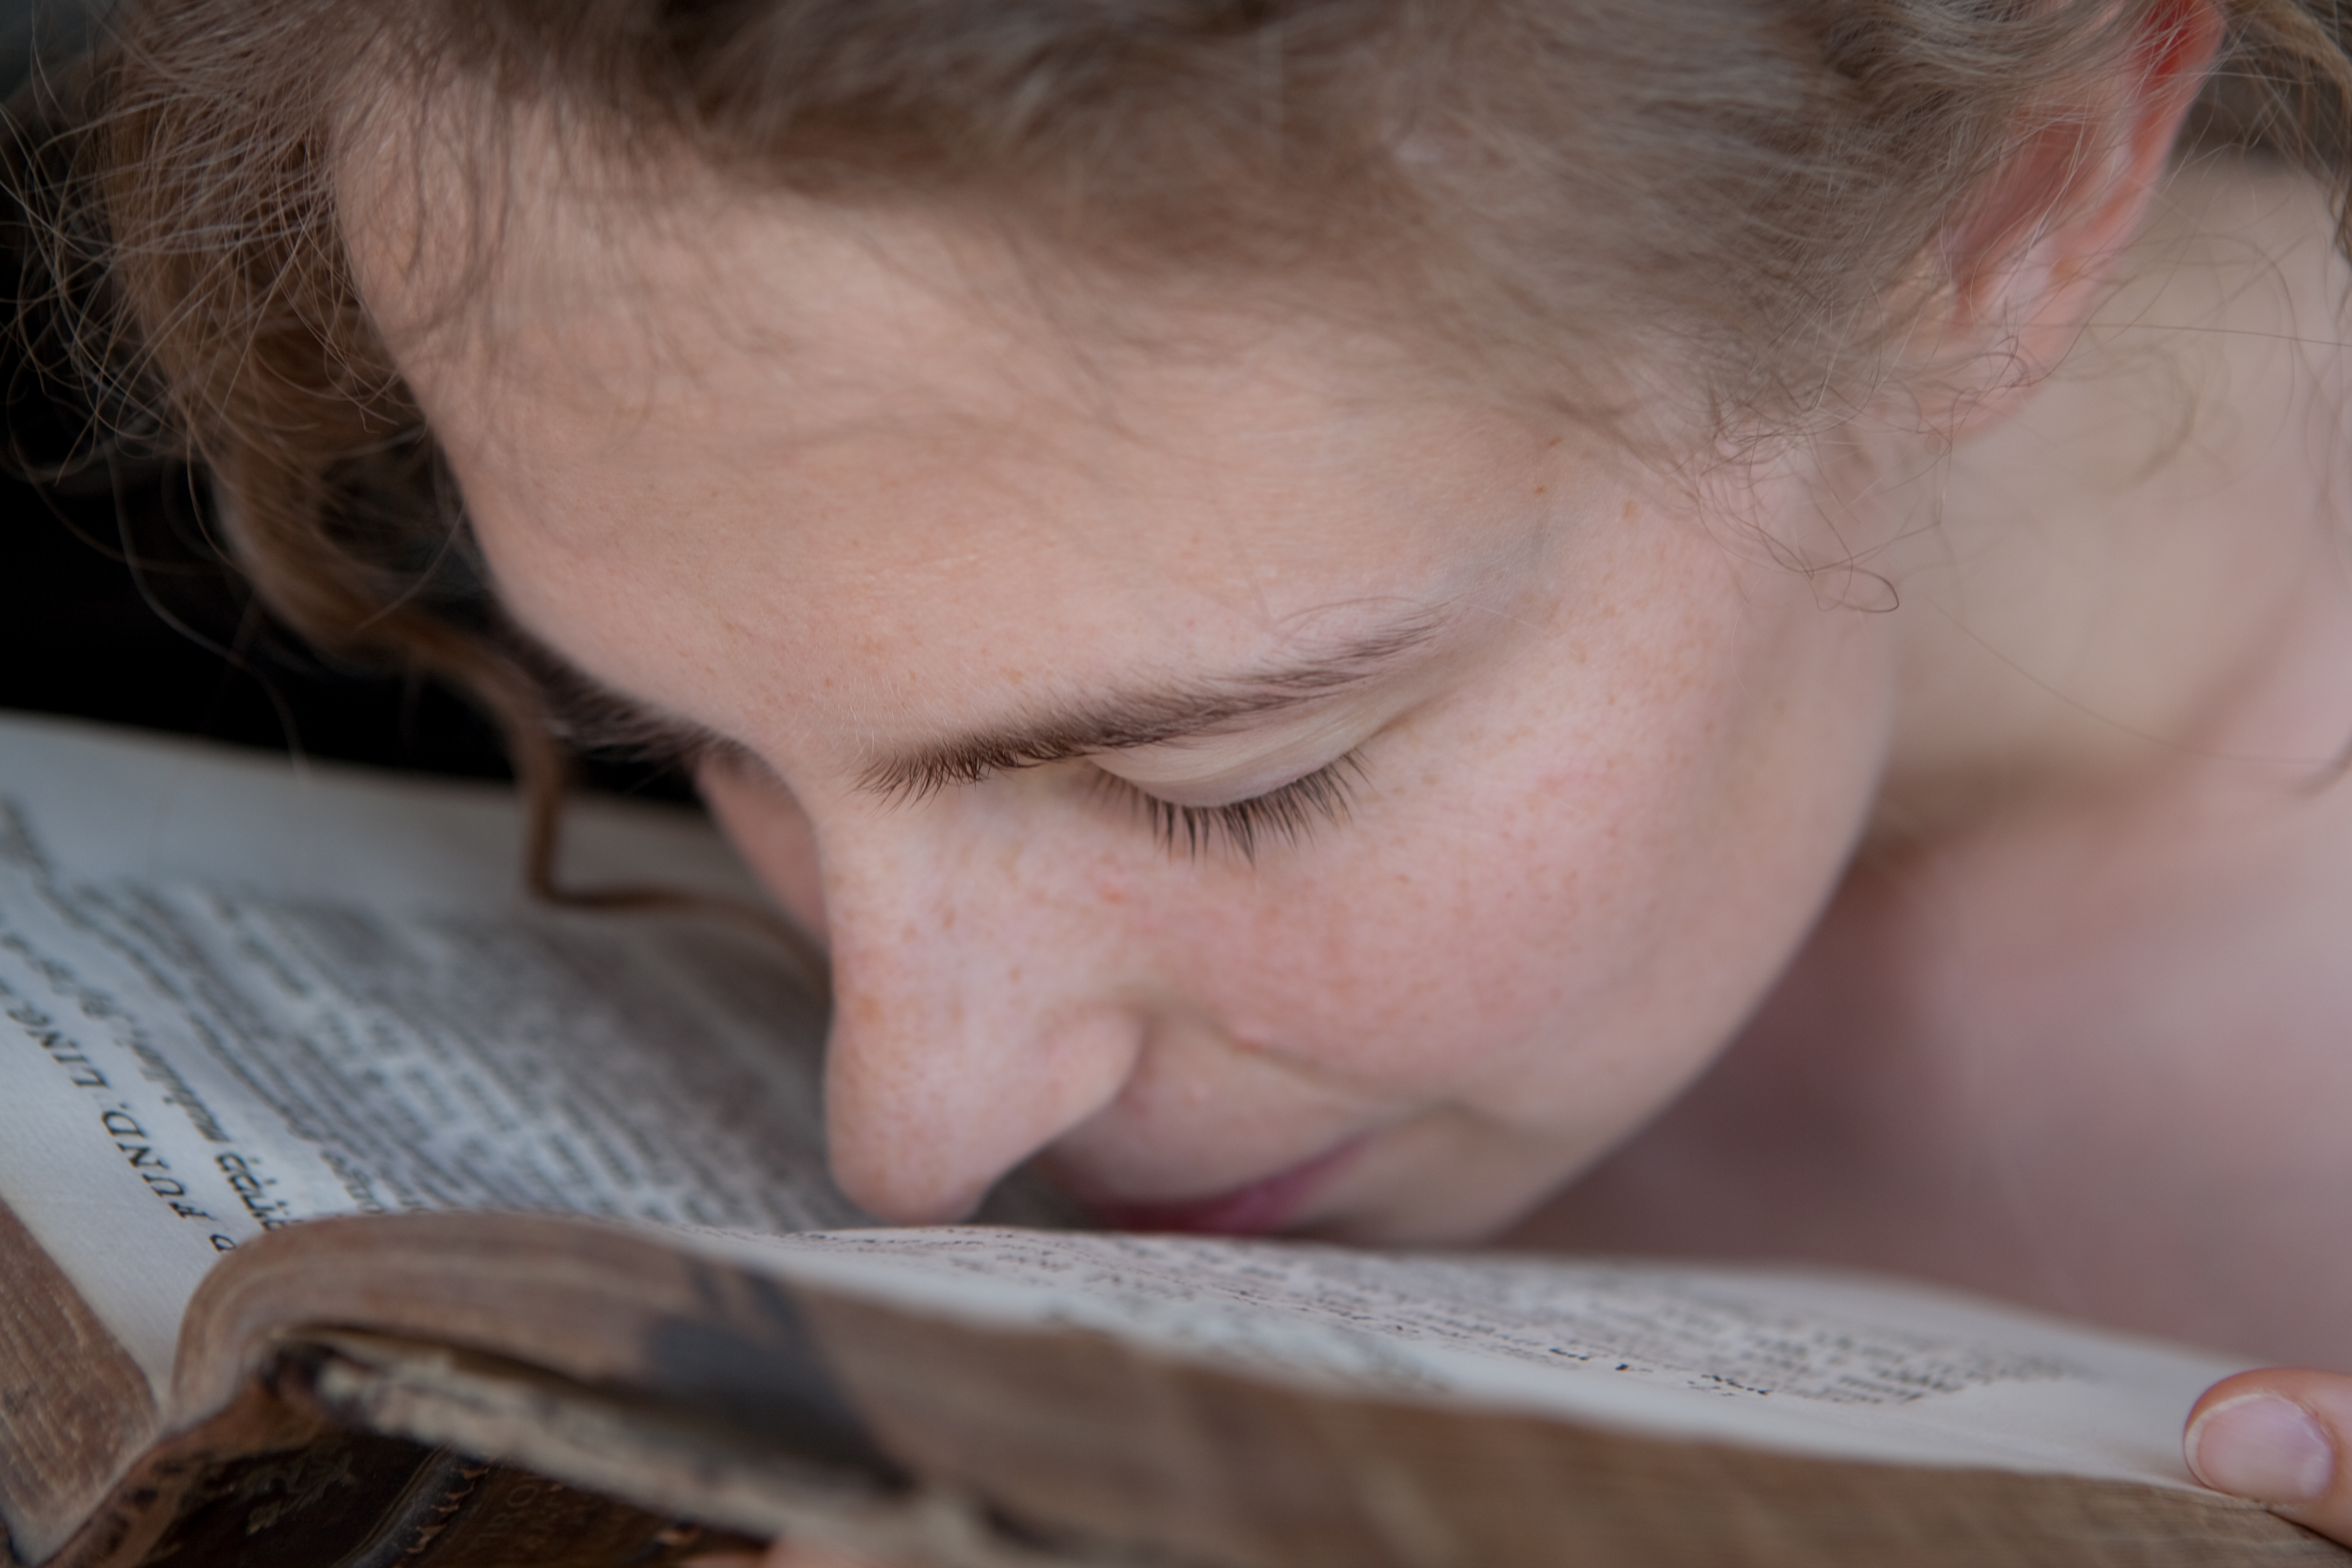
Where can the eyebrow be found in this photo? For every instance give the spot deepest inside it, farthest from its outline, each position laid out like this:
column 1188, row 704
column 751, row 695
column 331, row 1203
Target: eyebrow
column 1129, row 721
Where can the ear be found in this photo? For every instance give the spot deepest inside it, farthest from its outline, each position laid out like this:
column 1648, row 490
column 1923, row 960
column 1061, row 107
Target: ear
column 2029, row 259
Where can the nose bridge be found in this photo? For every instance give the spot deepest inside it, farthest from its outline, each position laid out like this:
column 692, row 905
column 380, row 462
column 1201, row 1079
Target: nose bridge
column 980, row 1009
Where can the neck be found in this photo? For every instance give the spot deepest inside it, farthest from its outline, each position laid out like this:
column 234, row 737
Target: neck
column 2139, row 575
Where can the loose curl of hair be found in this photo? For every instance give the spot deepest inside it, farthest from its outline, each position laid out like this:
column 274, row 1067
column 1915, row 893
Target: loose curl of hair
column 1740, row 185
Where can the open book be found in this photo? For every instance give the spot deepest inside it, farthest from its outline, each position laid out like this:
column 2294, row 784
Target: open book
column 354, row 1212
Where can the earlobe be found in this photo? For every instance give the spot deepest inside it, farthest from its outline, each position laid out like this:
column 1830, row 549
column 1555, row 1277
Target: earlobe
column 2027, row 261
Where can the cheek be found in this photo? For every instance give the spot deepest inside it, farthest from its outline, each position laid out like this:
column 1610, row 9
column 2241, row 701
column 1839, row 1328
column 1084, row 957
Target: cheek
column 1565, row 932
column 771, row 833
column 1449, row 962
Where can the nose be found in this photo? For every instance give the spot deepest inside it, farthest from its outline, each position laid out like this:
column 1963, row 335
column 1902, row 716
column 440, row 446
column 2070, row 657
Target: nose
column 979, row 1011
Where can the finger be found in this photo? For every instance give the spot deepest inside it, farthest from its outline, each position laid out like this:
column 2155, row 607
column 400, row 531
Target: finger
column 2280, row 1437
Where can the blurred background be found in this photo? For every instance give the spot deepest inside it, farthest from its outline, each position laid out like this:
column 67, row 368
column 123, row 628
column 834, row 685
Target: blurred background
column 113, row 603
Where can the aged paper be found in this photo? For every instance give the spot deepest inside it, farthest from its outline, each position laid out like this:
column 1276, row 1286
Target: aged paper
column 1814, row 1362
column 233, row 998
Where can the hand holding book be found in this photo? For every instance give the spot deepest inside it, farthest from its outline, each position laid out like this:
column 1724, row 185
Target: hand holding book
column 2279, row 1437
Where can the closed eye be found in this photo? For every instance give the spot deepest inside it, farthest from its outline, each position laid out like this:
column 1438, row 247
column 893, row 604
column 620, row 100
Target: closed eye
column 1288, row 813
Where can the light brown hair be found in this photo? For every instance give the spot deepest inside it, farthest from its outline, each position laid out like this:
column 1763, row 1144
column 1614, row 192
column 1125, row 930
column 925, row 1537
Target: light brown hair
column 1737, row 185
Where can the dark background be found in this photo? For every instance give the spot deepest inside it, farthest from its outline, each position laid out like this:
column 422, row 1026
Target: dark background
column 114, row 604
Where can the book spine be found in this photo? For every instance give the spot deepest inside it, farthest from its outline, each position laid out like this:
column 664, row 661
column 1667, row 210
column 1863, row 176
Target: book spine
column 73, row 1408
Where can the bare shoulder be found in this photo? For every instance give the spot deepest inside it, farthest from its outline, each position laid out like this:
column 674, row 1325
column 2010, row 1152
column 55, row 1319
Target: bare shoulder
column 2100, row 1060
column 2079, row 1029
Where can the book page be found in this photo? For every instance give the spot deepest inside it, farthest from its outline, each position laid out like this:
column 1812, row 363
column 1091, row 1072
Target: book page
column 1814, row 1362
column 234, row 995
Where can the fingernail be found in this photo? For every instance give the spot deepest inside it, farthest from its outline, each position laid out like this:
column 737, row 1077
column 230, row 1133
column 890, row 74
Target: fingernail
column 2260, row 1447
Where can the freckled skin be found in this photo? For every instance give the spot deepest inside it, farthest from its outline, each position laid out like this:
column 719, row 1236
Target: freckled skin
column 1620, row 741
column 2068, row 650
column 1601, row 807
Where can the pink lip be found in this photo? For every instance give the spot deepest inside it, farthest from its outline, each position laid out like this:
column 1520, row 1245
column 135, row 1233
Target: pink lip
column 1263, row 1205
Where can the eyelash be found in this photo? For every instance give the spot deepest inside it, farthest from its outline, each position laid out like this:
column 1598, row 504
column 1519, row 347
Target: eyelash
column 1323, row 798
column 1290, row 813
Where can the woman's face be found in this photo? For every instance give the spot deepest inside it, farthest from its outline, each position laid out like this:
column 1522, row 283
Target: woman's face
column 1273, row 786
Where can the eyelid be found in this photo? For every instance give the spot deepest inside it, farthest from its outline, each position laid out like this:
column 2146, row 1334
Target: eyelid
column 1288, row 811
column 1203, row 773
column 1218, row 790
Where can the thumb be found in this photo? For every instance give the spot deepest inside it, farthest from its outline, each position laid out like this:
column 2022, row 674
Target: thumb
column 2281, row 1438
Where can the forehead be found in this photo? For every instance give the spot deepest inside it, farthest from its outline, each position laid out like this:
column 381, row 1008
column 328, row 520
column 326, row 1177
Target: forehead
column 783, row 433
